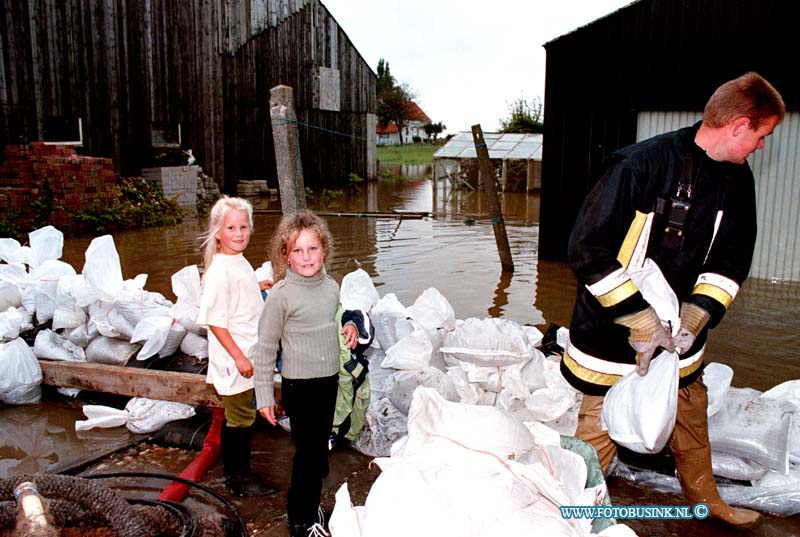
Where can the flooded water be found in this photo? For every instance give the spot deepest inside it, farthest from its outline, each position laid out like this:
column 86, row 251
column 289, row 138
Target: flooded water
column 453, row 251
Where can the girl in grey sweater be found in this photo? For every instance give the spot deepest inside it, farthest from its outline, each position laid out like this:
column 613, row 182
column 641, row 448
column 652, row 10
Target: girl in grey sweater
column 300, row 316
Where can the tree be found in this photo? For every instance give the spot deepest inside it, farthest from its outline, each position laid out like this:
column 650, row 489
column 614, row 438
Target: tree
column 434, row 129
column 525, row 117
column 395, row 101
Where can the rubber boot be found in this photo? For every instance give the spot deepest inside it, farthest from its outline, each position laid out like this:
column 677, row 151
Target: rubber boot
column 235, row 446
column 692, row 451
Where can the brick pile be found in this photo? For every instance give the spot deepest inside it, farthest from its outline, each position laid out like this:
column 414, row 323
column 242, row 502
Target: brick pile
column 75, row 180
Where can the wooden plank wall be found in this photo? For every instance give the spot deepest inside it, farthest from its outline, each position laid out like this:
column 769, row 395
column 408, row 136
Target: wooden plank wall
column 208, row 64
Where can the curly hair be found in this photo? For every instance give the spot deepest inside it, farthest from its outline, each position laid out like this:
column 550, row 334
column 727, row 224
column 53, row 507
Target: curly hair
column 286, row 235
column 216, row 217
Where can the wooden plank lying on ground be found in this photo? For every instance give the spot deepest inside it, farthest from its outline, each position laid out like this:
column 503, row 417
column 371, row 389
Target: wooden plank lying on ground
column 189, row 388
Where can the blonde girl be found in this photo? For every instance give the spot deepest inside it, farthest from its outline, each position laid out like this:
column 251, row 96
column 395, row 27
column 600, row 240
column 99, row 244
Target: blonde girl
column 300, row 316
column 230, row 306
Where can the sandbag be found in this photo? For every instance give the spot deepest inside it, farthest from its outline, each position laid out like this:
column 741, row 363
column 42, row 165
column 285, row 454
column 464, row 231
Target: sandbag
column 410, row 352
column 639, row 412
column 752, row 427
column 20, row 374
column 486, row 342
column 111, row 351
column 141, row 415
column 52, row 346
column 357, row 292
column 405, row 382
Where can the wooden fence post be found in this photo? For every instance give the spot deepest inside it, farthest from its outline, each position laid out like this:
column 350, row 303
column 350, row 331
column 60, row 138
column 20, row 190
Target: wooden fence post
column 286, row 142
column 488, row 175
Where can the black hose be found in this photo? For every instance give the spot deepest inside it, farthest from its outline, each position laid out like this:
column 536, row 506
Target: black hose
column 182, row 514
column 170, row 477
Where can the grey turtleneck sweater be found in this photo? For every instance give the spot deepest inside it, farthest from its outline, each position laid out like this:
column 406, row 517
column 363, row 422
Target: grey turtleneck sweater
column 300, row 315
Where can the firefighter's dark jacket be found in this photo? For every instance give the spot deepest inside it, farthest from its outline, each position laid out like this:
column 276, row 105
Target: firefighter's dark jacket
column 717, row 248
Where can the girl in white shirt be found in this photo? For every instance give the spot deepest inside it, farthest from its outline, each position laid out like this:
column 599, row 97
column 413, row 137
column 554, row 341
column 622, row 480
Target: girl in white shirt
column 230, row 307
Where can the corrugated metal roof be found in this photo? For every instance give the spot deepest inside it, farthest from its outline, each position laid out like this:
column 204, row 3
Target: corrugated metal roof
column 501, row 146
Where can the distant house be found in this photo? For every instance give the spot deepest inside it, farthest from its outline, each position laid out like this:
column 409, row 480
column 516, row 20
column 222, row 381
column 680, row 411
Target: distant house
column 390, row 134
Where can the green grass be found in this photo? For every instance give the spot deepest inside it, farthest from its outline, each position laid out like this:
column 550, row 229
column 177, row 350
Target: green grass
column 407, row 153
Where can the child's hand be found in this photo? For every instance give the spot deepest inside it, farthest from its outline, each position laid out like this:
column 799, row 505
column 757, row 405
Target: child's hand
column 268, row 413
column 350, row 333
column 266, row 285
column 244, row 366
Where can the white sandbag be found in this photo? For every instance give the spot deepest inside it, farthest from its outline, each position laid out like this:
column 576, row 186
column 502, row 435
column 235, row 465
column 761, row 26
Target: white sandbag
column 385, row 425
column 108, row 321
column 486, row 342
column 264, row 272
column 12, row 252
column 358, row 292
column 639, row 412
column 717, row 378
column 405, row 382
column 186, row 286
column 13, row 322
column 194, row 345
column 153, row 331
column 391, row 322
column 67, row 313
column 52, row 346
column 102, row 268
column 789, row 393
column 10, row 297
column 82, row 335
column 481, row 428
column 650, row 282
column 432, row 311
column 733, row 467
column 141, row 415
column 410, row 352
column 43, row 281
column 46, row 244
column 752, row 427
column 20, row 374
column 111, row 351
column 533, row 334
column 135, row 305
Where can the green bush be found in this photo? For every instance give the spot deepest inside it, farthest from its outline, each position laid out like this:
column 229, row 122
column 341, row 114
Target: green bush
column 139, row 204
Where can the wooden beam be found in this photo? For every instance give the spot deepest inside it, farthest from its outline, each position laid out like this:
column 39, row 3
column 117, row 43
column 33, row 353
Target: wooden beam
column 189, row 388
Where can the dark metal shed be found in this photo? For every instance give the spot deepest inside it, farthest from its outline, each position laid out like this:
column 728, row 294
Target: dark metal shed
column 651, row 55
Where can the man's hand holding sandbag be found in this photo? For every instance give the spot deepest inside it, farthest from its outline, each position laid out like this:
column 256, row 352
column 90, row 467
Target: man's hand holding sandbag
column 693, row 319
column 647, row 334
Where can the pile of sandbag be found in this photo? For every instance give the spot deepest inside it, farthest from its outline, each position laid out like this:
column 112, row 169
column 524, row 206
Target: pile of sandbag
column 473, row 471
column 94, row 316
column 491, row 362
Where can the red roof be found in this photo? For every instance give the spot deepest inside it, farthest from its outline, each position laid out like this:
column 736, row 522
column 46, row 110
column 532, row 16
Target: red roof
column 416, row 115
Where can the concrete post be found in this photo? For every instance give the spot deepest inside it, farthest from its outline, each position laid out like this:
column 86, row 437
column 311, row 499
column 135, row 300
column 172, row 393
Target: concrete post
column 285, row 138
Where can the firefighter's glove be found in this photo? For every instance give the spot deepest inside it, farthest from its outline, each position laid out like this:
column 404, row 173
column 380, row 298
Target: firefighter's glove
column 647, row 334
column 693, row 319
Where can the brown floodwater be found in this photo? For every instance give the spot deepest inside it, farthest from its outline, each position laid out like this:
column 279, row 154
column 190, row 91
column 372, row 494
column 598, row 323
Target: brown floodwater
column 453, row 251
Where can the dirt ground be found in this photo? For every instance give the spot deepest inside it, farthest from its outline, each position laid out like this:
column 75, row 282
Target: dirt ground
column 272, row 456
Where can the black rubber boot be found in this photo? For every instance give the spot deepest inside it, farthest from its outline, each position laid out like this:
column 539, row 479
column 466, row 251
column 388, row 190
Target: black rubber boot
column 235, row 446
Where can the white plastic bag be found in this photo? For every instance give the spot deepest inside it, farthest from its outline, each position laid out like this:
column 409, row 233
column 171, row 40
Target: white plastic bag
column 141, row 415
column 639, row 412
column 20, row 374
column 358, row 292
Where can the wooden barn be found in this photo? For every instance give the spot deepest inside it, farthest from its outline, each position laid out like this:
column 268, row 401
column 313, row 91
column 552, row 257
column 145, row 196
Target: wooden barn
column 128, row 80
column 649, row 67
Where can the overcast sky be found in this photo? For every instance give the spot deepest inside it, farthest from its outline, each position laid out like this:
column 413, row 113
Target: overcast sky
column 466, row 60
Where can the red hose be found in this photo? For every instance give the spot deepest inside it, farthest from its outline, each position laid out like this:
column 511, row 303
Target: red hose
column 177, row 492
